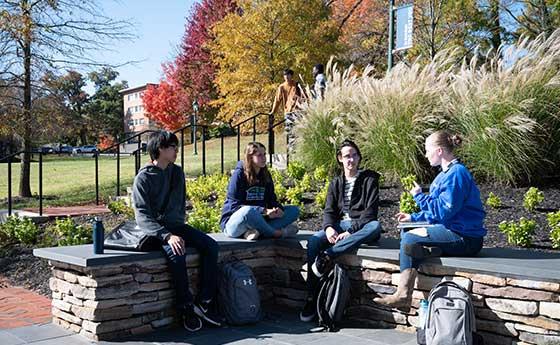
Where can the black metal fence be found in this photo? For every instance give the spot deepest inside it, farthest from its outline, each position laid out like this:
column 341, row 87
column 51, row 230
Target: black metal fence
column 116, row 148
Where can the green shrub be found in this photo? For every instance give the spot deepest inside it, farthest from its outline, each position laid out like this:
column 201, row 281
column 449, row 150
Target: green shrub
column 68, row 233
column 294, row 195
column 493, row 200
column 321, row 174
column 553, row 219
column 321, row 197
column 296, row 170
column 22, row 230
column 207, row 188
column 121, row 208
column 305, row 183
column 205, row 218
column 518, row 233
column 281, row 192
column 532, row 199
column 406, row 202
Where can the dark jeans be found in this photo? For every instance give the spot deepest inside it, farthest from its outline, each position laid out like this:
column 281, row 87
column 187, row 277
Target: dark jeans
column 370, row 232
column 208, row 250
column 450, row 243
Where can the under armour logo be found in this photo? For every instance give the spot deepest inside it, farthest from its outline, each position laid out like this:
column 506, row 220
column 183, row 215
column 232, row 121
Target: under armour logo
column 247, row 281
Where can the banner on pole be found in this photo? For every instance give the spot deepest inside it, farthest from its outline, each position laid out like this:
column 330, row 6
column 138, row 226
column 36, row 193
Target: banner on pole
column 405, row 15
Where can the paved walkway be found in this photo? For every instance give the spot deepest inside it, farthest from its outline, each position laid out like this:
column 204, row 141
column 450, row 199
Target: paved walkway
column 277, row 329
column 65, row 211
column 21, row 307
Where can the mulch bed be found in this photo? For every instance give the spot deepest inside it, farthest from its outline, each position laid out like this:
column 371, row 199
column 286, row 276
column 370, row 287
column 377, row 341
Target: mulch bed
column 19, row 267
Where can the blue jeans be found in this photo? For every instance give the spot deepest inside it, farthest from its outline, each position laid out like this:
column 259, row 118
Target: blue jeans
column 250, row 217
column 370, row 232
column 450, row 243
column 208, row 250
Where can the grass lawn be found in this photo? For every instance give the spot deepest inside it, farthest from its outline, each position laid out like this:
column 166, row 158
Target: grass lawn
column 71, row 180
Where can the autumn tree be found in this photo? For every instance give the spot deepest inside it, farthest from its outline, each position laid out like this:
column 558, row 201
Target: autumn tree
column 533, row 17
column 191, row 74
column 252, row 48
column 39, row 35
column 363, row 32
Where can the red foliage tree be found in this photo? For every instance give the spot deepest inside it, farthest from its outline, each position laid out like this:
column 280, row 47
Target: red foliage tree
column 191, row 75
column 105, row 141
column 167, row 103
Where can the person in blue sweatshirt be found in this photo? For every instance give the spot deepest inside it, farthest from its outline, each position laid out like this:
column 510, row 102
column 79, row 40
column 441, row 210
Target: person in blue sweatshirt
column 251, row 209
column 453, row 209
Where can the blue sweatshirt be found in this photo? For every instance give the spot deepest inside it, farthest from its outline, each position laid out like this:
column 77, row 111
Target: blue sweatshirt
column 240, row 193
column 454, row 201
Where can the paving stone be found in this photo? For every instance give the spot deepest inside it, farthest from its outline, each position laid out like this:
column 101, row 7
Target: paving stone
column 531, row 329
column 536, row 321
column 513, row 306
column 548, row 286
column 6, row 338
column 39, row 332
column 513, row 292
column 363, row 311
column 540, row 339
column 550, row 309
column 502, row 328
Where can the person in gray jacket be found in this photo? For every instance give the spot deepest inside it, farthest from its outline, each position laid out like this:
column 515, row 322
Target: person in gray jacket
column 159, row 207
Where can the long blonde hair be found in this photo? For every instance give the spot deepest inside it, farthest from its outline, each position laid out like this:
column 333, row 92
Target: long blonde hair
column 249, row 167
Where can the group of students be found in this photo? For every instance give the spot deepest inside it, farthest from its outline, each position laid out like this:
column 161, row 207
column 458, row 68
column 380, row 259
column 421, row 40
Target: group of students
column 452, row 211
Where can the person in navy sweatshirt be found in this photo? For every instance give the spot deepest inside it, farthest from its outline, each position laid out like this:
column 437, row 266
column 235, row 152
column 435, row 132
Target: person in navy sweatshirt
column 453, row 209
column 251, row 209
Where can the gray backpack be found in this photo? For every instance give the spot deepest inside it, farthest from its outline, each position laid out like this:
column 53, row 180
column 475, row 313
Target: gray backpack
column 238, row 295
column 450, row 319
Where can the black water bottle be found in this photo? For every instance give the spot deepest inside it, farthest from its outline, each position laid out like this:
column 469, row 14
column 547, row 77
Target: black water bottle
column 98, row 236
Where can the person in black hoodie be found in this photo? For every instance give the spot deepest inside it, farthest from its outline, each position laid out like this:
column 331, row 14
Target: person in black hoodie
column 349, row 220
column 159, row 207
column 251, row 209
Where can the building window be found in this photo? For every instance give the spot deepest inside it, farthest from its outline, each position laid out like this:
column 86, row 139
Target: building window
column 141, row 121
column 129, row 97
column 129, row 110
column 131, row 122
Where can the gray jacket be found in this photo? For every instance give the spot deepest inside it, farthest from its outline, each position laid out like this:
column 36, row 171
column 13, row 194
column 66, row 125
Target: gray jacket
column 149, row 190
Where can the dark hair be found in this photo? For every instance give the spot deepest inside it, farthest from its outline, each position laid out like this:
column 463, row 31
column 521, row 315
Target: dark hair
column 248, row 167
column 288, row 71
column 347, row 143
column 160, row 140
column 446, row 141
column 320, row 68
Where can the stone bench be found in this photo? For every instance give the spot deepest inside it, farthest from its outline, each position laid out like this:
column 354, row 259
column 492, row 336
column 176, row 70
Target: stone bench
column 515, row 292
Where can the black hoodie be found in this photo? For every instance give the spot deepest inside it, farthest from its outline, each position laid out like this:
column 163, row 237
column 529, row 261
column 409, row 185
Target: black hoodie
column 363, row 203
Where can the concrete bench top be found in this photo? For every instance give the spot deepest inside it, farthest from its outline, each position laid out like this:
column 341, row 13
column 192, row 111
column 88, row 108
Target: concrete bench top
column 494, row 261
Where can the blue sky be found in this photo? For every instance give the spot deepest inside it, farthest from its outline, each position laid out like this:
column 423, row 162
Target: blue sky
column 159, row 25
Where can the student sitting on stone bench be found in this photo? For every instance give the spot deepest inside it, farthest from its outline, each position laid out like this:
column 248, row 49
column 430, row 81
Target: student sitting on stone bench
column 453, row 210
column 159, row 206
column 251, row 209
column 349, row 220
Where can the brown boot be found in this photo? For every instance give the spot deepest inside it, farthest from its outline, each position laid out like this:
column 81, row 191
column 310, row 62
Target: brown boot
column 403, row 296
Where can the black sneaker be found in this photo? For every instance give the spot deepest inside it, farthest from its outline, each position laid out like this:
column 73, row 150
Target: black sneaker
column 205, row 312
column 309, row 311
column 191, row 321
column 323, row 263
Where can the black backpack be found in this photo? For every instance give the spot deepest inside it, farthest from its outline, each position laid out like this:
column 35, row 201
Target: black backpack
column 238, row 295
column 333, row 296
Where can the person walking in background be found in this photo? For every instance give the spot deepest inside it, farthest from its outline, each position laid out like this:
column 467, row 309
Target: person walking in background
column 288, row 95
column 251, row 209
column 453, row 209
column 320, row 81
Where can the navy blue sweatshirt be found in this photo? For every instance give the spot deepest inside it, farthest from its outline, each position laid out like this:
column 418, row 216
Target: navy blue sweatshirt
column 240, row 193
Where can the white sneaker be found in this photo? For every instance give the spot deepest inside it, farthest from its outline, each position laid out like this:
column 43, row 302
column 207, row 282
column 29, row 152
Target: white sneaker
column 290, row 231
column 251, row 234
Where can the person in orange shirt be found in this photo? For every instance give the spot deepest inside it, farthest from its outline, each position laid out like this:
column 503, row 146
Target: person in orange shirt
column 288, row 95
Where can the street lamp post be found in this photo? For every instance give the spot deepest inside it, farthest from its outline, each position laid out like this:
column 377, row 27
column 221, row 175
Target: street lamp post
column 194, row 121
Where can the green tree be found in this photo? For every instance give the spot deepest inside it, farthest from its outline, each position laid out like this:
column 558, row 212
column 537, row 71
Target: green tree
column 106, row 105
column 253, row 46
